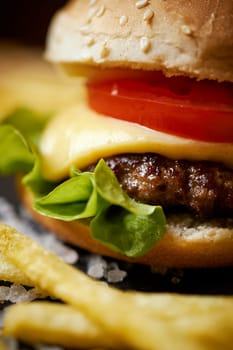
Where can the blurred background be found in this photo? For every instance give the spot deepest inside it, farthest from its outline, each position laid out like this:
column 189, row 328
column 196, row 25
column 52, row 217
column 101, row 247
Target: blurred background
column 26, row 21
column 26, row 78
column 27, row 81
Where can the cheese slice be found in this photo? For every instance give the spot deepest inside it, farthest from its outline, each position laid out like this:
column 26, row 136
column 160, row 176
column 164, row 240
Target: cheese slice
column 80, row 137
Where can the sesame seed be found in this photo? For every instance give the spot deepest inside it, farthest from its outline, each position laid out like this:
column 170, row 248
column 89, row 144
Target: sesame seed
column 141, row 3
column 92, row 2
column 148, row 15
column 104, row 51
column 91, row 13
column 123, row 20
column 84, row 29
column 86, row 57
column 89, row 41
column 186, row 29
column 100, row 11
column 145, row 44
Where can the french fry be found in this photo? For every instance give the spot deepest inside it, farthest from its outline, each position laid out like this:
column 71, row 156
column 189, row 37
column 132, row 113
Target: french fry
column 10, row 273
column 204, row 320
column 51, row 274
column 115, row 311
column 53, row 323
column 136, row 320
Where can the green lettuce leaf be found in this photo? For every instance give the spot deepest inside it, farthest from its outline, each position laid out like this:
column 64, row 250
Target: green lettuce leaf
column 15, row 155
column 109, row 188
column 74, row 199
column 29, row 123
column 18, row 130
column 130, row 234
column 35, row 180
column 126, row 226
column 117, row 221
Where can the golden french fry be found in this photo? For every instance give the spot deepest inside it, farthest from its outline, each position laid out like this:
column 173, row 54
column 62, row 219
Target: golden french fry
column 53, row 323
column 204, row 320
column 139, row 321
column 10, row 273
column 116, row 312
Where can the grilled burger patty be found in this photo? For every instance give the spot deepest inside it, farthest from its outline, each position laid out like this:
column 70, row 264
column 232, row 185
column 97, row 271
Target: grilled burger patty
column 203, row 188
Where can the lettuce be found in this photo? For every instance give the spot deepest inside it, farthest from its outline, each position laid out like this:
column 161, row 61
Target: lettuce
column 127, row 233
column 15, row 154
column 35, row 181
column 75, row 198
column 124, row 225
column 28, row 123
column 115, row 219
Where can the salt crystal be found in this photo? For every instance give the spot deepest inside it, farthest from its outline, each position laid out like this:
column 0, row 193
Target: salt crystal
column 116, row 275
column 4, row 293
column 96, row 271
column 96, row 266
column 34, row 293
column 17, row 293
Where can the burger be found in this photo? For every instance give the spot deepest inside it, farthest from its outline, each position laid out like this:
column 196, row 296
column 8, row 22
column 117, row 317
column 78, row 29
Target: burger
column 142, row 168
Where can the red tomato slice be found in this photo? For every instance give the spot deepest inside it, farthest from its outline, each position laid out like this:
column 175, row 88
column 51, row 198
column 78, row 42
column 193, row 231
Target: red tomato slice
column 180, row 106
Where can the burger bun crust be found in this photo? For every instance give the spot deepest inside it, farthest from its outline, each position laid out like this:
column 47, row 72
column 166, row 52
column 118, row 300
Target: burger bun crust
column 192, row 38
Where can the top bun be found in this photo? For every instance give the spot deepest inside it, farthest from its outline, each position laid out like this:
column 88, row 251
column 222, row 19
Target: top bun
column 193, row 38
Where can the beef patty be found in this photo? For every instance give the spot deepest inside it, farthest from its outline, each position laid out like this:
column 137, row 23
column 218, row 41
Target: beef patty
column 204, row 188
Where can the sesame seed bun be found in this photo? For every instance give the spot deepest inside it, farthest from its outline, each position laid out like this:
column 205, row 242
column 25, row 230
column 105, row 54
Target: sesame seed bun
column 193, row 38
column 187, row 243
column 190, row 38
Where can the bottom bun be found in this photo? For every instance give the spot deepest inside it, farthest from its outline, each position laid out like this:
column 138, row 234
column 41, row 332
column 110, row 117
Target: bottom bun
column 186, row 243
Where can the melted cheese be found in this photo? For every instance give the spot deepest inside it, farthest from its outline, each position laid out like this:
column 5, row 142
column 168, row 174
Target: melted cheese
column 80, row 136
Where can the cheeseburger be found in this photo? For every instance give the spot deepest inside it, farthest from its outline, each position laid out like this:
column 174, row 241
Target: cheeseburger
column 142, row 168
